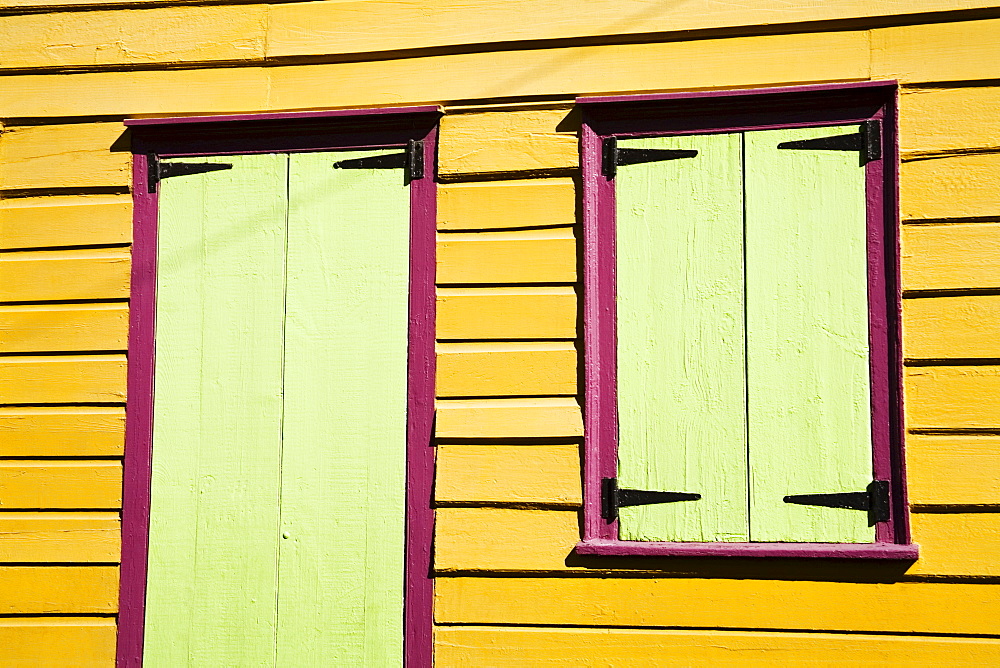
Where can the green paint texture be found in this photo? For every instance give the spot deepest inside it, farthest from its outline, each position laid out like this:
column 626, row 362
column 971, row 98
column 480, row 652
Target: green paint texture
column 279, row 410
column 743, row 338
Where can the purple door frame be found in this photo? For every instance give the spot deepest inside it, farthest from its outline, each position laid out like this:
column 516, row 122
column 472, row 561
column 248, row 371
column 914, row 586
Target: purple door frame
column 266, row 133
column 735, row 111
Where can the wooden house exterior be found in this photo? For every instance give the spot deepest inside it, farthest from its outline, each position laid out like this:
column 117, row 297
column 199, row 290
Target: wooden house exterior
column 509, row 87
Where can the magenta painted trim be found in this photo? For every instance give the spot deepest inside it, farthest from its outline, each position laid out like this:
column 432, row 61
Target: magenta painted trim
column 733, row 92
column 621, row 548
column 289, row 116
column 736, row 111
column 418, row 600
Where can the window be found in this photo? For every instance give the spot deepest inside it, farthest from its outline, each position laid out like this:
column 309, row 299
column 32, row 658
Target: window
column 741, row 299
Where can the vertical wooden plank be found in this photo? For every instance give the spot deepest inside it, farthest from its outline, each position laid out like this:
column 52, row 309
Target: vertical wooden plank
column 340, row 600
column 807, row 336
column 680, row 340
column 217, row 416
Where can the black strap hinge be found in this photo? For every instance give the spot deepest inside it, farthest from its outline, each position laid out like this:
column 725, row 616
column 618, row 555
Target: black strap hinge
column 867, row 141
column 613, row 498
column 412, row 159
column 615, row 156
column 157, row 171
column 874, row 500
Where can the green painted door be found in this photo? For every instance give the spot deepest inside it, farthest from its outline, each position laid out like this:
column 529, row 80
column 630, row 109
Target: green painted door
column 743, row 338
column 279, row 469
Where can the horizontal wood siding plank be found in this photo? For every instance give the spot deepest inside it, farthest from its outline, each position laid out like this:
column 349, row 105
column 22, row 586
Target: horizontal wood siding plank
column 957, row 51
column 506, row 313
column 63, row 327
column 60, row 484
column 946, row 257
column 62, row 431
column 948, row 119
column 508, row 474
column 950, row 187
column 60, row 537
column 508, row 141
column 48, row 641
column 36, row 222
column 530, row 256
column 497, row 369
column 542, row 417
column 499, row 204
column 956, row 397
column 952, row 327
column 62, row 379
column 511, row 646
column 65, row 274
column 504, row 539
column 118, row 37
column 902, row 607
column 63, row 156
column 749, row 61
column 354, row 27
column 953, row 469
column 956, row 544
column 40, row 590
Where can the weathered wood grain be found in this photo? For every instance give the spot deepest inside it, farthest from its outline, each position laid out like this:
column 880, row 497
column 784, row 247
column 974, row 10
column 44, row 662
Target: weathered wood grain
column 948, row 119
column 61, row 431
column 906, row 607
column 63, row 327
column 950, row 187
column 952, row 327
column 953, row 469
column 527, row 256
column 508, row 141
column 512, row 646
column 952, row 397
column 506, row 313
column 498, row 369
column 48, row 641
column 547, row 474
column 62, row 379
column 39, row 484
column 498, row 204
column 749, row 61
column 37, row 590
column 77, row 155
column 36, row 222
column 310, row 28
column 503, row 539
column 60, row 537
column 118, row 37
column 540, row 417
column 957, row 51
column 946, row 257
column 64, row 274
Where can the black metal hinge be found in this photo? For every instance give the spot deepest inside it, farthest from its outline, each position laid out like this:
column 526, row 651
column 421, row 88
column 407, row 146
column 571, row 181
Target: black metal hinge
column 613, row 498
column 412, row 159
column 875, row 500
column 613, row 156
column 867, row 141
column 157, row 171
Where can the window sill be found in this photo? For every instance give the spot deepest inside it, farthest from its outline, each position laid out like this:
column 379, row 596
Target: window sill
column 621, row 548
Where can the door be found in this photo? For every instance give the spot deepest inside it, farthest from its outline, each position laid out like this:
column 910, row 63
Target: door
column 279, row 456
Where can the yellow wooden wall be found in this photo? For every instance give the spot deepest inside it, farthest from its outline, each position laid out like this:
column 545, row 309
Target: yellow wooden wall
column 509, row 591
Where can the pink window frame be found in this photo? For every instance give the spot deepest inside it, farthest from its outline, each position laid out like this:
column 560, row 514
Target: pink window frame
column 267, row 133
column 734, row 111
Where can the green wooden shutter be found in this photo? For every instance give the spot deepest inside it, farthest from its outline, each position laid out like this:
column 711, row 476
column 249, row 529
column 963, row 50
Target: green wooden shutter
column 280, row 410
column 809, row 401
column 743, row 338
column 681, row 413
